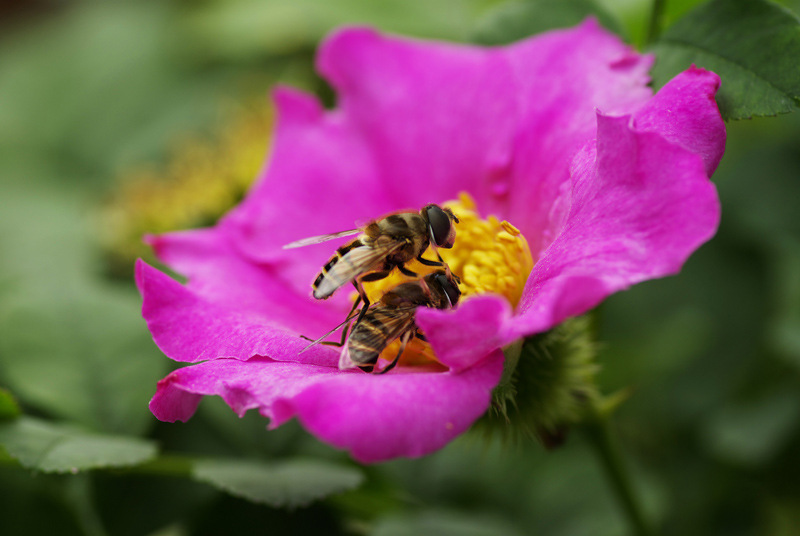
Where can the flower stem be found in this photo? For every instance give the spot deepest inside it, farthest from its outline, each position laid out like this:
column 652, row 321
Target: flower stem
column 598, row 430
column 656, row 18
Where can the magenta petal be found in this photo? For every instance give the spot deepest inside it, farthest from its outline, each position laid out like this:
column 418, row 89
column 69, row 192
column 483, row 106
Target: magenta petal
column 430, row 112
column 409, row 415
column 243, row 386
column 637, row 214
column 606, row 199
column 374, row 417
column 684, row 112
column 486, row 118
column 418, row 122
column 320, row 179
column 462, row 338
column 218, row 274
column 565, row 76
column 189, row 328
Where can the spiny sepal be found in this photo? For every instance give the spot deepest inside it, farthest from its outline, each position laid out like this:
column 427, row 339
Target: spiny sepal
column 547, row 382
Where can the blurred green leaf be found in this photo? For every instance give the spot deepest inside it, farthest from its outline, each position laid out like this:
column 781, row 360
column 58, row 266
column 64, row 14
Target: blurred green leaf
column 752, row 433
column 68, row 345
column 9, row 409
column 244, row 29
column 43, row 232
column 444, row 524
column 287, row 484
column 102, row 86
column 784, row 330
column 752, row 44
column 516, row 20
column 50, row 448
column 90, row 360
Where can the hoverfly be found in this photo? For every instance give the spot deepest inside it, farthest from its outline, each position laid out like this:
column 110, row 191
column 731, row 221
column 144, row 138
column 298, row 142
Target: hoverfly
column 393, row 317
column 384, row 244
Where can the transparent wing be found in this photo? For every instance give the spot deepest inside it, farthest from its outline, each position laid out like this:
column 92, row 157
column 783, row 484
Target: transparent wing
column 395, row 323
column 374, row 333
column 354, row 263
column 344, row 359
column 319, row 239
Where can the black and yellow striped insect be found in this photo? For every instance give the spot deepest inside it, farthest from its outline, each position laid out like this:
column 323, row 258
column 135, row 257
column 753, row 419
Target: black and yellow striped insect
column 387, row 243
column 394, row 317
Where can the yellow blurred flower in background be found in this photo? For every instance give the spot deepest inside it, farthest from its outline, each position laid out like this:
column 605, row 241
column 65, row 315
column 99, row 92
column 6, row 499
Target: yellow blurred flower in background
column 200, row 181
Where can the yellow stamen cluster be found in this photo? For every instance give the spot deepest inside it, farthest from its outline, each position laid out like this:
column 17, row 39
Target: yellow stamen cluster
column 202, row 181
column 489, row 255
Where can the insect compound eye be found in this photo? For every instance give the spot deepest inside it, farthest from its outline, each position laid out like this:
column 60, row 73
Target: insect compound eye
column 441, row 227
column 452, row 291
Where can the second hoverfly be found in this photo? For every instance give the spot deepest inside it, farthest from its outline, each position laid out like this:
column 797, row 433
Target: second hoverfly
column 394, row 317
column 387, row 243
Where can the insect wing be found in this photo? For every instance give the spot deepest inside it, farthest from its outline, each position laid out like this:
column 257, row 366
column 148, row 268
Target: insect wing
column 374, row 333
column 354, row 263
column 395, row 322
column 319, row 239
column 345, row 362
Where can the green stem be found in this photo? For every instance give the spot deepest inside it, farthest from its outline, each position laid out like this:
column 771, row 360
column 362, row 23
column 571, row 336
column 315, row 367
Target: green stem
column 656, row 18
column 79, row 495
column 164, row 465
column 598, row 431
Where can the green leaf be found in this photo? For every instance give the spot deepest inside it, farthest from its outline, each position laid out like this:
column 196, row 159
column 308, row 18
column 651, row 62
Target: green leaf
column 289, row 484
column 753, row 433
column 784, row 328
column 247, row 29
column 752, row 44
column 90, row 361
column 51, row 448
column 69, row 346
column 520, row 19
column 444, row 524
column 9, row 409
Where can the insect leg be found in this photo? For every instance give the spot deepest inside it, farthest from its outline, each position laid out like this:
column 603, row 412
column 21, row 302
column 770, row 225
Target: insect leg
column 406, row 271
column 404, row 341
column 375, row 276
column 426, row 262
column 363, row 296
column 350, row 316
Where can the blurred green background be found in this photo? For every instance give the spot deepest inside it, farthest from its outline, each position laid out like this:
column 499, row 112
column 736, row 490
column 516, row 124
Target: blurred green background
column 92, row 93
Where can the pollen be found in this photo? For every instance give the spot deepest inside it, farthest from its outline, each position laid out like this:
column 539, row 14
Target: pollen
column 489, row 255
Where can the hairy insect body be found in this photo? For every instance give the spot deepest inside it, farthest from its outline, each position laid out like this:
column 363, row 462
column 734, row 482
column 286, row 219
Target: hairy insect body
column 394, row 318
column 385, row 244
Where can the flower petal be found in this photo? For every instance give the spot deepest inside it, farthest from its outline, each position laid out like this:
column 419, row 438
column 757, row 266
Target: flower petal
column 220, row 275
column 374, row 417
column 684, row 112
column 567, row 75
column 319, row 180
column 442, row 118
column 419, row 122
column 190, row 328
column 243, row 386
column 463, row 337
column 640, row 206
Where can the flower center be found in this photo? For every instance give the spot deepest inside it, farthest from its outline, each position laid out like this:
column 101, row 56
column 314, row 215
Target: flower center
column 489, row 255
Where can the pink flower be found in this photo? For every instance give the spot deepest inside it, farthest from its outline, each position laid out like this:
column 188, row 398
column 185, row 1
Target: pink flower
column 558, row 134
